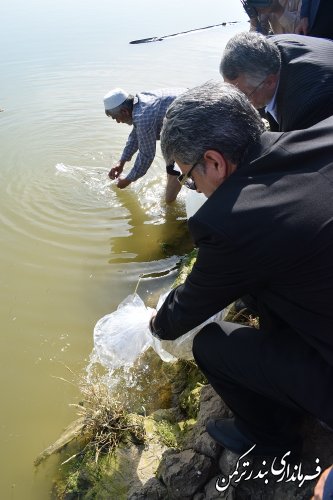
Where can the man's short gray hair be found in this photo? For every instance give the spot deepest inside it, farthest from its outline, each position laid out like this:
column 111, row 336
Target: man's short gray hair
column 252, row 54
column 214, row 115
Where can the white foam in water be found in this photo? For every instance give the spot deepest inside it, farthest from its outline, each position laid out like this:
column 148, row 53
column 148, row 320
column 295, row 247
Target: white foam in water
column 61, row 167
column 94, row 177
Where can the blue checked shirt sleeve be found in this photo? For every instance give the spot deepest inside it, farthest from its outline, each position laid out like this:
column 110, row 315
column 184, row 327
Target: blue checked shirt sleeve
column 147, row 150
column 147, row 134
column 131, row 146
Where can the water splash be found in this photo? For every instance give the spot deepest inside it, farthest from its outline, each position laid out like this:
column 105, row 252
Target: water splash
column 94, row 177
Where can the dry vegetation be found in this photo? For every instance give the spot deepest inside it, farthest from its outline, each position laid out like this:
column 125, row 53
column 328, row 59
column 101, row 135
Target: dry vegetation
column 106, row 423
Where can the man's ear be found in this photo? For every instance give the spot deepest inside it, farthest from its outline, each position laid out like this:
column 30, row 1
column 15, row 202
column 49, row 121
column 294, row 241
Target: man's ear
column 215, row 160
column 271, row 81
column 217, row 165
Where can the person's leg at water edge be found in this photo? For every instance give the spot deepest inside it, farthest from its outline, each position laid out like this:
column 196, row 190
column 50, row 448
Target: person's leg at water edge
column 269, row 382
column 172, row 186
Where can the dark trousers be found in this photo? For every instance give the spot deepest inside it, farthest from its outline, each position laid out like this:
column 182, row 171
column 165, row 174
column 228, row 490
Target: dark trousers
column 268, row 381
column 323, row 24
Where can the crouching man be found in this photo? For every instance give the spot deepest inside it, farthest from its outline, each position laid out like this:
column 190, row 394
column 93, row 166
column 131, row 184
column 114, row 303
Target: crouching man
column 266, row 231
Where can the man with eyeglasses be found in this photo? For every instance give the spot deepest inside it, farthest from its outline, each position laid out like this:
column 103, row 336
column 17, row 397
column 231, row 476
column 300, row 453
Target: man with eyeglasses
column 266, row 230
column 291, row 76
column 145, row 111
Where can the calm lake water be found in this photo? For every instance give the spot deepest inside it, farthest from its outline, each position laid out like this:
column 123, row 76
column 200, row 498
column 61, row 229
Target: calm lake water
column 73, row 246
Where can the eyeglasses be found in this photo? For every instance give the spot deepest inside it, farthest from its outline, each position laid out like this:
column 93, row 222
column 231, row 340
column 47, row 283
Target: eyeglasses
column 250, row 94
column 186, row 179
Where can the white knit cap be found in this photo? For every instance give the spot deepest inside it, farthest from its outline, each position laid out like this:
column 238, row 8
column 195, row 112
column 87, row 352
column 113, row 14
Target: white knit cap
column 114, row 98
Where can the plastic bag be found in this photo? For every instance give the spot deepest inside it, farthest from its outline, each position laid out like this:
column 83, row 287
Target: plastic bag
column 122, row 336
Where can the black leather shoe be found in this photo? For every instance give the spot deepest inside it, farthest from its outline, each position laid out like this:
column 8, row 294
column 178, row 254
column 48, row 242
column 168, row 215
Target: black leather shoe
column 225, row 432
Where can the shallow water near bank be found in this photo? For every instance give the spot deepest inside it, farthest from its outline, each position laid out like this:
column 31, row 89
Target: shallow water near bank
column 73, row 245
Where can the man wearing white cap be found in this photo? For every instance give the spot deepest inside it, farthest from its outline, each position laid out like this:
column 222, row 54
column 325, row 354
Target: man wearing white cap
column 145, row 111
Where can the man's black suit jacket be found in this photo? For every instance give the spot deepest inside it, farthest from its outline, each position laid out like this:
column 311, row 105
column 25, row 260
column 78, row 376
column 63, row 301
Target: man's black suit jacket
column 305, row 90
column 266, row 231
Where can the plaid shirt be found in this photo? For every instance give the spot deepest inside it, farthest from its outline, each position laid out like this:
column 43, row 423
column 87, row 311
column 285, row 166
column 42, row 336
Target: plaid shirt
column 148, row 112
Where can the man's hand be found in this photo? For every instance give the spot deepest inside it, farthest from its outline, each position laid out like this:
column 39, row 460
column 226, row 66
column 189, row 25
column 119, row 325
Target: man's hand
column 116, row 170
column 319, row 488
column 123, row 183
column 303, row 26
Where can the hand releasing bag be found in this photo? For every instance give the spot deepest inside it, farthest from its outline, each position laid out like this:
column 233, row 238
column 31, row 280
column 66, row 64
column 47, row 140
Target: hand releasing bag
column 181, row 348
column 120, row 337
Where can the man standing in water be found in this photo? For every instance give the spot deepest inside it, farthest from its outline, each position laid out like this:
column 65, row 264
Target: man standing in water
column 145, row 111
column 266, row 230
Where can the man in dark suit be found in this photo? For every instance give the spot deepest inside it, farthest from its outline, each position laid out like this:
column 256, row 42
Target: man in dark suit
column 290, row 75
column 266, row 230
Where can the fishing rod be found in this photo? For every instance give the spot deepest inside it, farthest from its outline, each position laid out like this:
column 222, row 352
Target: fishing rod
column 160, row 38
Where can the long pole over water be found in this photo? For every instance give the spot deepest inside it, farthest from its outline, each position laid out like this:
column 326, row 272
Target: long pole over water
column 160, row 38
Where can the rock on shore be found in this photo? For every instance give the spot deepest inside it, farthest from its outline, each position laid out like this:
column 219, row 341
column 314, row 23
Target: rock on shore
column 193, row 472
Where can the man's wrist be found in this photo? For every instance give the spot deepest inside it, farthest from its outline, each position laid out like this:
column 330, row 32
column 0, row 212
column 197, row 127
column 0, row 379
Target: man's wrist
column 151, row 324
column 152, row 328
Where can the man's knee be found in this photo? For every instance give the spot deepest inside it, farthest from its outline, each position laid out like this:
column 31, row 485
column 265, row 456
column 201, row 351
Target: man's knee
column 227, row 346
column 205, row 341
